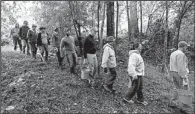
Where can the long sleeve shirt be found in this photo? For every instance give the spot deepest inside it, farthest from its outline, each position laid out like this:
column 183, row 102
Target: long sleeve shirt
column 68, row 43
column 108, row 58
column 136, row 64
column 89, row 46
column 178, row 63
column 56, row 40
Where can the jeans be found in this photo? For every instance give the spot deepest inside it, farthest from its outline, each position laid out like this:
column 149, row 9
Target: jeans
column 25, row 44
column 71, row 58
column 16, row 41
column 60, row 59
column 137, row 86
column 111, row 78
column 33, row 49
column 44, row 49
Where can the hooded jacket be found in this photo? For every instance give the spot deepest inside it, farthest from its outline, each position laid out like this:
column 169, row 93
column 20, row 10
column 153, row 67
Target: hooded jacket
column 108, row 58
column 135, row 64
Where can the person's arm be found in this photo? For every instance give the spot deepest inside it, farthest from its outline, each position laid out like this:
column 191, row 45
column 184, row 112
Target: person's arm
column 61, row 47
column 39, row 42
column 132, row 65
column 105, row 57
column 181, row 63
column 28, row 34
column 11, row 33
column 54, row 40
column 20, row 32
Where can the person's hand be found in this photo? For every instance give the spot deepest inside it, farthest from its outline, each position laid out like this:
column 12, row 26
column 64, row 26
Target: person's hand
column 134, row 77
column 105, row 70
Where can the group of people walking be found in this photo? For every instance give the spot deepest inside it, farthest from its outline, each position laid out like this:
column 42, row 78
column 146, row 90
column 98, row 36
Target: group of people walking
column 65, row 47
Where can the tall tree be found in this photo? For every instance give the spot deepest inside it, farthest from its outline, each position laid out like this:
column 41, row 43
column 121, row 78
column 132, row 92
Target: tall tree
column 141, row 17
column 117, row 21
column 102, row 27
column 185, row 5
column 98, row 15
column 134, row 20
column 166, row 37
column 128, row 19
column 110, row 18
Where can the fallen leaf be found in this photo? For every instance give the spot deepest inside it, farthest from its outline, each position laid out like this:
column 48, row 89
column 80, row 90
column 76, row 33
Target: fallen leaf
column 10, row 108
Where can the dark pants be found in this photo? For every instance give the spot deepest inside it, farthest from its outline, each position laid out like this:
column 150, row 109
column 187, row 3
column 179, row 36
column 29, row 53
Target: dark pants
column 71, row 58
column 16, row 41
column 137, row 86
column 45, row 50
column 33, row 49
column 60, row 59
column 111, row 78
column 25, row 44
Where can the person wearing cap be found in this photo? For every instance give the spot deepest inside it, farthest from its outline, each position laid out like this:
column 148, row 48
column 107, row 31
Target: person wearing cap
column 89, row 50
column 23, row 35
column 15, row 36
column 109, row 63
column 68, row 43
column 43, row 42
column 136, row 69
column 179, row 67
column 56, row 40
column 32, row 39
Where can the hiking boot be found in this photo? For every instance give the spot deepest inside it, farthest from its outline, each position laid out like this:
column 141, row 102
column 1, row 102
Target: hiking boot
column 128, row 101
column 142, row 102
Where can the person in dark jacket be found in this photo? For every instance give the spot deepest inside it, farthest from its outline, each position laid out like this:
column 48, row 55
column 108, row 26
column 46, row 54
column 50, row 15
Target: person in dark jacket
column 43, row 42
column 23, row 35
column 56, row 40
column 32, row 38
column 90, row 55
column 16, row 38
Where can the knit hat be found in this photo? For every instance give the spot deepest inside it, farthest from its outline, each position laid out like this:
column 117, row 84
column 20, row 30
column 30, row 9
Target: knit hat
column 183, row 44
column 110, row 39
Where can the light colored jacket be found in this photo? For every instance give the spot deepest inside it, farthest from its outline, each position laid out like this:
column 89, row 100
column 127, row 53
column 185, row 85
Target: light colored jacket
column 136, row 64
column 108, row 58
column 179, row 63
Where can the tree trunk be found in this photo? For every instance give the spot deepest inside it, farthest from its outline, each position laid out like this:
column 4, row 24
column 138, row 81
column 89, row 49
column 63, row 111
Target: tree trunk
column 129, row 29
column 102, row 27
column 166, row 36
column 98, row 15
column 141, row 18
column 93, row 14
column 134, row 20
column 194, row 21
column 110, row 18
column 117, row 21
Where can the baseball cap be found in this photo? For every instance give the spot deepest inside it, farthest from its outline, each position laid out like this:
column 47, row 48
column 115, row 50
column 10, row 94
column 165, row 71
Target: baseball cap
column 183, row 44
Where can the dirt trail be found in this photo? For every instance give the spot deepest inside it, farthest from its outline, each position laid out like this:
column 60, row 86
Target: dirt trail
column 33, row 86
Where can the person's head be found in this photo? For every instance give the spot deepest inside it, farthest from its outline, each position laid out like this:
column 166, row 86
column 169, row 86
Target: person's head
column 56, row 29
column 17, row 25
column 182, row 45
column 110, row 40
column 93, row 31
column 25, row 23
column 34, row 27
column 137, row 46
column 42, row 29
column 67, row 33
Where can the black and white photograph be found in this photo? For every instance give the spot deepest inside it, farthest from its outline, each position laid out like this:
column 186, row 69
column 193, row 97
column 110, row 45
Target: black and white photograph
column 83, row 57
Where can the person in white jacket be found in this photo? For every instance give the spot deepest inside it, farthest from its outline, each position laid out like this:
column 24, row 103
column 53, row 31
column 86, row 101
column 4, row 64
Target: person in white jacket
column 136, row 73
column 109, row 63
column 179, row 68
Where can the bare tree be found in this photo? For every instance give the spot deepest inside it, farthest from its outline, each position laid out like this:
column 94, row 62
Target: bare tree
column 110, row 18
column 117, row 21
column 98, row 16
column 128, row 19
column 141, row 17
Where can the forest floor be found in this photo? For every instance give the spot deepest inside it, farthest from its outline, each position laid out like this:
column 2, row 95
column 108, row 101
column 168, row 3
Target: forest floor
column 32, row 86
